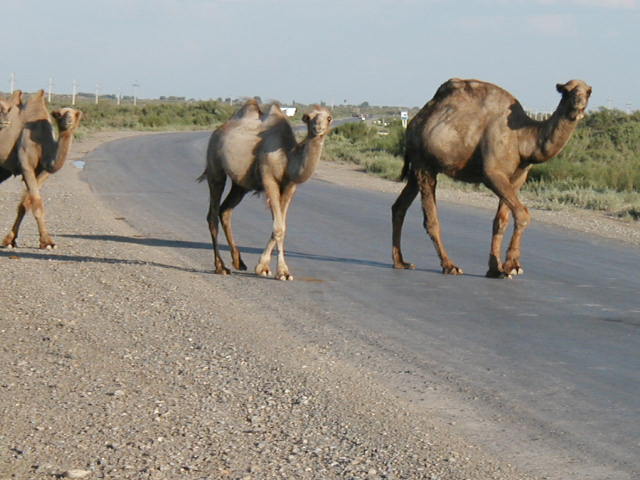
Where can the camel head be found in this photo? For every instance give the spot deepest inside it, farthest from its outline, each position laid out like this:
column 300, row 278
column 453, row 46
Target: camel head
column 575, row 97
column 67, row 118
column 8, row 106
column 318, row 121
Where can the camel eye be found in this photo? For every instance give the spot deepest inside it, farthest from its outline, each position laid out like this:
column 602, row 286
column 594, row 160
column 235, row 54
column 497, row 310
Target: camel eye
column 329, row 118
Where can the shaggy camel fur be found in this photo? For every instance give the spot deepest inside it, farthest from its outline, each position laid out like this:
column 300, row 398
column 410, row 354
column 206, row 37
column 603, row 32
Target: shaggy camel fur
column 259, row 152
column 35, row 155
column 479, row 133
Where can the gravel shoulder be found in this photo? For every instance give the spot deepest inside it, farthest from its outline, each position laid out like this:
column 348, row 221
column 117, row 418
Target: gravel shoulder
column 123, row 361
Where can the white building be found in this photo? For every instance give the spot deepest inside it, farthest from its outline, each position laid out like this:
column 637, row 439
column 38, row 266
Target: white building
column 289, row 111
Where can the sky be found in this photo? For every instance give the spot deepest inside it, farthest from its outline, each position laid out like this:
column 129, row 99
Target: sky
column 385, row 52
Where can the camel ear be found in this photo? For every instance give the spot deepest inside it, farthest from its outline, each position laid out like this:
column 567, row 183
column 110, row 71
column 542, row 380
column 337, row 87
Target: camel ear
column 561, row 88
column 56, row 114
column 305, row 118
column 589, row 92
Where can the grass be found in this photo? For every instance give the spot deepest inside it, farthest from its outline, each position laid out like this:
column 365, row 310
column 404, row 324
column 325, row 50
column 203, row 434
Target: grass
column 598, row 170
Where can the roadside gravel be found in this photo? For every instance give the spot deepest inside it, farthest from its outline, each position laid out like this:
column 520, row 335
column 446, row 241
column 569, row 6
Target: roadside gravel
column 123, row 361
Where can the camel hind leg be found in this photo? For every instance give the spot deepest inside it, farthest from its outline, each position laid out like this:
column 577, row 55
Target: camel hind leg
column 216, row 187
column 235, row 196
column 398, row 212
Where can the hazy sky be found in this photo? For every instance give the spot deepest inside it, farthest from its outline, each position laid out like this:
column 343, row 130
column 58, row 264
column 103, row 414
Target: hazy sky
column 386, row 52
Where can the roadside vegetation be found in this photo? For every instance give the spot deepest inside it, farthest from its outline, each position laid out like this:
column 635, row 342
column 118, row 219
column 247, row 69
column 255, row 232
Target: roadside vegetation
column 599, row 169
column 152, row 115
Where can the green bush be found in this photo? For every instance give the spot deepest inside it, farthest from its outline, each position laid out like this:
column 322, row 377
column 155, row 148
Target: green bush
column 604, row 153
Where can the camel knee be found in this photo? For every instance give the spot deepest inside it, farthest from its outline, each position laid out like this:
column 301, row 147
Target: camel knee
column 522, row 218
column 500, row 224
column 278, row 233
column 36, row 205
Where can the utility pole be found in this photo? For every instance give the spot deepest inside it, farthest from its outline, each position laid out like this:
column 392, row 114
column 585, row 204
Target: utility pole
column 97, row 90
column 119, row 97
column 74, row 90
column 135, row 85
column 12, row 83
column 50, row 89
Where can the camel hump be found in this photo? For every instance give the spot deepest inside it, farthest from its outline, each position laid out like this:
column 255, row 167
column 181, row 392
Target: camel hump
column 275, row 109
column 36, row 108
column 16, row 98
column 250, row 109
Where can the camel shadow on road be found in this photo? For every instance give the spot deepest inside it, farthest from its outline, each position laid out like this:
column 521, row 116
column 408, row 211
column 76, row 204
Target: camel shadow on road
column 38, row 254
column 168, row 243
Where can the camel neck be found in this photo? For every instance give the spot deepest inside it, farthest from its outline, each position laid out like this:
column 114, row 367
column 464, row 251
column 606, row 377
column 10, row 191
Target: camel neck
column 306, row 156
column 553, row 134
column 62, row 151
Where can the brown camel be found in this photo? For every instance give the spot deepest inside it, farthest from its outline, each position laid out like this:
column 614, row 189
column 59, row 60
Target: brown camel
column 479, row 133
column 259, row 152
column 35, row 155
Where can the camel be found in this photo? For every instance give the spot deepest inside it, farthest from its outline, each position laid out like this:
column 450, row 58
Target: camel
column 35, row 155
column 259, row 153
column 11, row 124
column 477, row 132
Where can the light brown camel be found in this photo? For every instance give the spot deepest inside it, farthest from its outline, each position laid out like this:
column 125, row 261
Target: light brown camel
column 37, row 154
column 11, row 125
column 479, row 133
column 259, row 152
column 9, row 110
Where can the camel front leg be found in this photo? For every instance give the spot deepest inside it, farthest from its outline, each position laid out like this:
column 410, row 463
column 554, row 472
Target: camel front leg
column 279, row 203
column 508, row 194
column 31, row 200
column 10, row 240
column 398, row 212
column 427, row 183
column 500, row 223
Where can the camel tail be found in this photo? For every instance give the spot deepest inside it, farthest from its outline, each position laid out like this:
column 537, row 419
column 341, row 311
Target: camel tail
column 202, row 177
column 406, row 168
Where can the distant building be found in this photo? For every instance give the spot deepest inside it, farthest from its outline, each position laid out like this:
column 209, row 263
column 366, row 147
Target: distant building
column 289, row 111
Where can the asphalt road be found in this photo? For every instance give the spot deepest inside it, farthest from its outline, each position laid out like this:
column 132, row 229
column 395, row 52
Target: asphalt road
column 556, row 352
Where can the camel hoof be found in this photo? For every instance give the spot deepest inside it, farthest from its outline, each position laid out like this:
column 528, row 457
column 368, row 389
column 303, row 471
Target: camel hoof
column 516, row 271
column 404, row 266
column 285, row 276
column 453, row 270
column 222, row 271
column 9, row 246
column 263, row 271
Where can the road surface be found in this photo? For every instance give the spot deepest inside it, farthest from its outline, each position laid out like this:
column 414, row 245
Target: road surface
column 545, row 367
